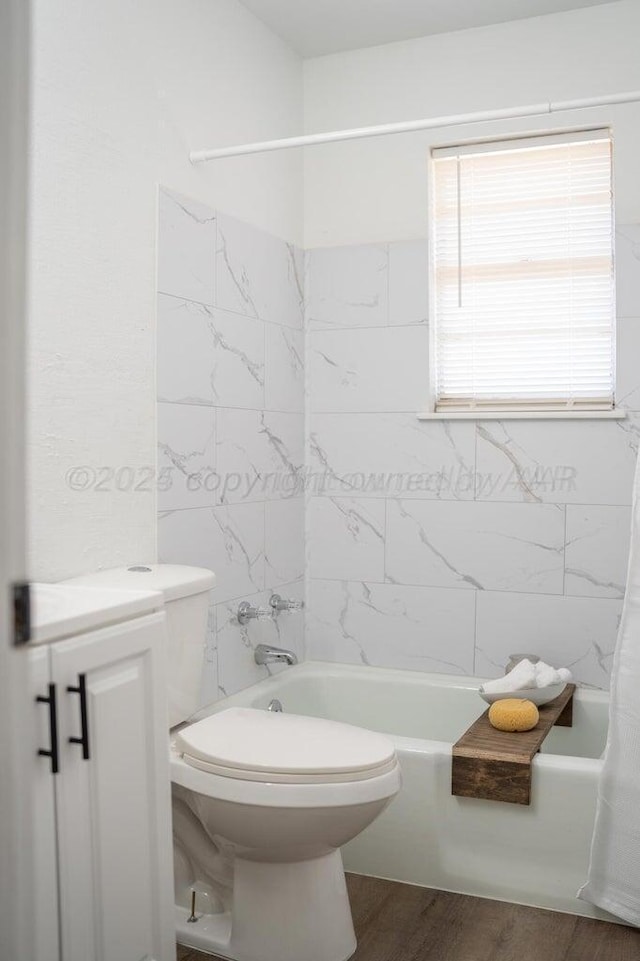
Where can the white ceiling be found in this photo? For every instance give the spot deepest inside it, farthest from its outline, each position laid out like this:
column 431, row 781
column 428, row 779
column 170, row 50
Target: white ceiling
column 316, row 27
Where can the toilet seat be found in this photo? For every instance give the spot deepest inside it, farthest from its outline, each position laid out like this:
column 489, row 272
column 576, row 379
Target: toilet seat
column 277, row 748
column 278, row 778
column 271, row 794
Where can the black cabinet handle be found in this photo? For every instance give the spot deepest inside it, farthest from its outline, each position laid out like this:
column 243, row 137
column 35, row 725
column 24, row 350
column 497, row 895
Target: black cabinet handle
column 53, row 726
column 81, row 689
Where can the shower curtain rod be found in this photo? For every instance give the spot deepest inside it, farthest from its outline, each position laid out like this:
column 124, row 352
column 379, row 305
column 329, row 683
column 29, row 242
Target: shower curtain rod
column 383, row 130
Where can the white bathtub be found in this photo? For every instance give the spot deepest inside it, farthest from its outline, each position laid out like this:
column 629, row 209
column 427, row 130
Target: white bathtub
column 535, row 855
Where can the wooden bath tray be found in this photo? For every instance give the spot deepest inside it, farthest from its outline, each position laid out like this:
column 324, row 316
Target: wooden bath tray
column 496, row 765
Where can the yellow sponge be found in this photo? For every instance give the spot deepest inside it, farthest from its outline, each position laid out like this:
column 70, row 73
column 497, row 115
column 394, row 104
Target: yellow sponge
column 513, row 714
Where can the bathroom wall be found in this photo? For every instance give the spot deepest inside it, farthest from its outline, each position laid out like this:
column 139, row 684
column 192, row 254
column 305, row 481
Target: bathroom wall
column 121, row 93
column 499, row 536
column 230, row 388
column 375, row 190
column 448, row 545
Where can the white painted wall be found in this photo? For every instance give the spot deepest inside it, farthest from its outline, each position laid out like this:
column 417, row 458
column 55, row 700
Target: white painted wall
column 376, row 190
column 122, row 92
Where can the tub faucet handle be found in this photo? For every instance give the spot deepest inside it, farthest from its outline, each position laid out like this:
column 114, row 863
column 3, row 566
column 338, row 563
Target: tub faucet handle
column 284, row 604
column 248, row 613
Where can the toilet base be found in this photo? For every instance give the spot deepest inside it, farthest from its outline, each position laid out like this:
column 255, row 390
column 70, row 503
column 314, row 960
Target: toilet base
column 281, row 912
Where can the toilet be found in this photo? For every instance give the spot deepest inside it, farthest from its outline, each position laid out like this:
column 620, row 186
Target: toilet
column 262, row 802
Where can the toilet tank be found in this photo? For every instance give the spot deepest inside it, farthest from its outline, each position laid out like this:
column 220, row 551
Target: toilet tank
column 186, row 599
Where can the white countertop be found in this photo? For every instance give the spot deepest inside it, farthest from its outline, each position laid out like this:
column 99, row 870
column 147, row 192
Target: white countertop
column 62, row 610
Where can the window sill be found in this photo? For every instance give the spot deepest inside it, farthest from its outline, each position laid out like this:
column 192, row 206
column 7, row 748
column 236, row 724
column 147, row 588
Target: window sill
column 615, row 414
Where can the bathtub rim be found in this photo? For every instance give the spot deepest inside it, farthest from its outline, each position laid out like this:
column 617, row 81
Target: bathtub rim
column 435, row 679
column 276, row 683
column 312, row 669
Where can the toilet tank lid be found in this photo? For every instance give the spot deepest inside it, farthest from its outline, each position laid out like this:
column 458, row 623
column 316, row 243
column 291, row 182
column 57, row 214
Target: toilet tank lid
column 172, row 580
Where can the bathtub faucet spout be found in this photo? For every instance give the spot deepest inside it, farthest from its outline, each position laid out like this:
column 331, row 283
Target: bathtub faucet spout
column 265, row 654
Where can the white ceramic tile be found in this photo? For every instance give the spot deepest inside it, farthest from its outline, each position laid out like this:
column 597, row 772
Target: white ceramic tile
column 377, row 369
column 500, row 547
column 257, row 274
column 409, row 282
column 381, row 455
column 347, row 286
column 575, row 632
column 184, row 352
column 260, row 454
column 346, row 538
column 242, row 455
column 628, row 270
column 630, row 432
column 284, row 384
column 209, row 356
column 284, row 436
column 557, row 461
column 186, row 456
column 238, row 360
column 209, row 691
column 237, row 668
column 186, row 248
column 384, row 625
column 227, row 540
column 628, row 363
column 284, row 541
column 597, row 550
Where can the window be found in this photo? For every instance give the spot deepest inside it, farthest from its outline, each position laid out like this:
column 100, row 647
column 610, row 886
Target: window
column 522, row 254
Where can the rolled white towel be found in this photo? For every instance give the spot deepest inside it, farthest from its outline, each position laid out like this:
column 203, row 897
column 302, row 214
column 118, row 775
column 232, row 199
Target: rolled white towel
column 547, row 675
column 521, row 678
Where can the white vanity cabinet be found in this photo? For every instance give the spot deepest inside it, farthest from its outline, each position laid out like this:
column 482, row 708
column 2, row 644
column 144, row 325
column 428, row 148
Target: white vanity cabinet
column 102, row 789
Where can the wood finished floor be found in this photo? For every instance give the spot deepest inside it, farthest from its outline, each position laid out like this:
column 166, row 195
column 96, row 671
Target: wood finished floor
column 400, row 922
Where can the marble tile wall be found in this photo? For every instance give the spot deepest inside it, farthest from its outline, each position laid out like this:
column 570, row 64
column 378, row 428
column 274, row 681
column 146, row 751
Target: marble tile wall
column 443, row 545
column 230, row 389
column 436, row 545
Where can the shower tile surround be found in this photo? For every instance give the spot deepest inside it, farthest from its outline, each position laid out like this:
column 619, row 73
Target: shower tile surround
column 430, row 545
column 448, row 545
column 230, row 389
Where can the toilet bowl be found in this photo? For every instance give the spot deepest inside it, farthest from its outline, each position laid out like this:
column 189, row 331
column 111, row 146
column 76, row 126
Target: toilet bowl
column 262, row 801
column 279, row 794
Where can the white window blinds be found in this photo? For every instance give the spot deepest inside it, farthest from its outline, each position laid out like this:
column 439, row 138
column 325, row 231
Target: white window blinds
column 522, row 250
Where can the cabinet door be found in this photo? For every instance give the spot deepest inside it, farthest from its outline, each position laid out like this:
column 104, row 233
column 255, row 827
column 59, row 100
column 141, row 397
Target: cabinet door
column 113, row 794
